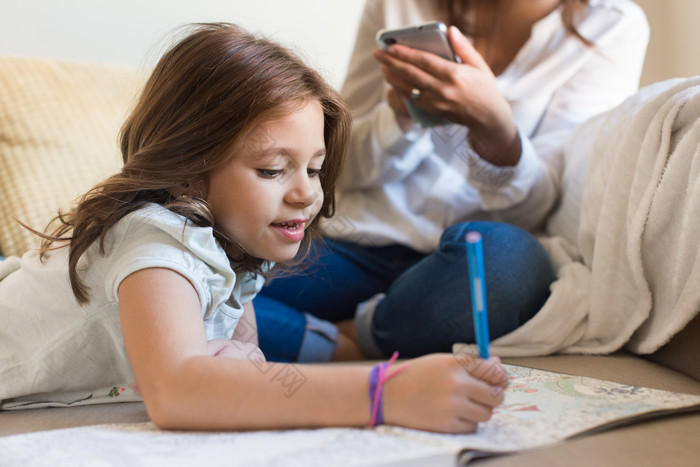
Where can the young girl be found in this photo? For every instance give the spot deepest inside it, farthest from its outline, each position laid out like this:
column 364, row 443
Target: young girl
column 230, row 155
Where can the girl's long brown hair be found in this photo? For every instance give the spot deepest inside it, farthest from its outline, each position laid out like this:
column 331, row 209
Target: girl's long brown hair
column 457, row 13
column 205, row 95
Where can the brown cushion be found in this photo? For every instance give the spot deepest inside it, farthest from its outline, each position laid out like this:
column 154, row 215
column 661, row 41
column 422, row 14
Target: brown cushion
column 59, row 124
column 682, row 353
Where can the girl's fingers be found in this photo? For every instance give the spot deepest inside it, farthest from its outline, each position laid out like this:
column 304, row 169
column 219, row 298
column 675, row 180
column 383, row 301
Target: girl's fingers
column 485, row 394
column 471, row 411
column 456, row 425
column 436, row 392
column 465, row 415
column 491, row 371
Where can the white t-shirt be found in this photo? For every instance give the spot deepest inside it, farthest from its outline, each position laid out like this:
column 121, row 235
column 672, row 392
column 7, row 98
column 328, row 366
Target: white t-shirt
column 51, row 344
column 408, row 188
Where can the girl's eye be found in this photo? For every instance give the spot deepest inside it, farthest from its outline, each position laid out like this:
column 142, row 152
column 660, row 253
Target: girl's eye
column 313, row 172
column 270, row 173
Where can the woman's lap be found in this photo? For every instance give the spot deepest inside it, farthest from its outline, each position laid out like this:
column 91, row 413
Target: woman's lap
column 426, row 306
column 341, row 276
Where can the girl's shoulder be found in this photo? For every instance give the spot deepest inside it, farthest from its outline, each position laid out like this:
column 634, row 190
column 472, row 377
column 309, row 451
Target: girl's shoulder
column 154, row 217
column 154, row 237
column 161, row 231
column 159, row 228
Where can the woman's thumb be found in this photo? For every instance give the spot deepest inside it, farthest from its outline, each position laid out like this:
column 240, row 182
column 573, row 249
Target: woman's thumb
column 465, row 50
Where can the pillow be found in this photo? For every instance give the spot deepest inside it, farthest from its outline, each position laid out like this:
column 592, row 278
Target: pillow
column 59, row 124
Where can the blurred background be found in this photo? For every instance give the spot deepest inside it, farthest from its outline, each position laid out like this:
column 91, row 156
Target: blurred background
column 131, row 31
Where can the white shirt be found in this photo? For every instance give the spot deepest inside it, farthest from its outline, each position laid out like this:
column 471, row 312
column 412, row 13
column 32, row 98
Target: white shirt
column 407, row 188
column 51, row 344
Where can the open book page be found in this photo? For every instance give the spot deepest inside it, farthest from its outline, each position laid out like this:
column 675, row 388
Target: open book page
column 541, row 408
column 142, row 444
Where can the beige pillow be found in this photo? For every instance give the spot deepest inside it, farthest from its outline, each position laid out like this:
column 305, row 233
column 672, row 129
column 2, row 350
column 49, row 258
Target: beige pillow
column 59, row 124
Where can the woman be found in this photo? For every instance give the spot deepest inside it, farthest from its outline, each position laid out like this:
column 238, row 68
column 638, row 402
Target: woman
column 531, row 71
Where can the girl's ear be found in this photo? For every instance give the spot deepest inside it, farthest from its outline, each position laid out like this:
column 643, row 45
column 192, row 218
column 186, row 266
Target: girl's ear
column 192, row 189
column 180, row 190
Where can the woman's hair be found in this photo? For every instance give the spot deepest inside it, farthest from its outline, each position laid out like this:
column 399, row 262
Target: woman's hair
column 204, row 97
column 457, row 13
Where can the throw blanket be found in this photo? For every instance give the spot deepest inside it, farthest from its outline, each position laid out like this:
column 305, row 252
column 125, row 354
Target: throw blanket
column 628, row 274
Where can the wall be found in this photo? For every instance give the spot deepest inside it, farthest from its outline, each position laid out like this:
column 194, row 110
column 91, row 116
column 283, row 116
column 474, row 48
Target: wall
column 132, row 31
column 675, row 38
column 128, row 31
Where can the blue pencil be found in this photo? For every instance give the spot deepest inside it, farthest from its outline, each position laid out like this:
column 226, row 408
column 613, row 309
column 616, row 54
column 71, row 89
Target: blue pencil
column 475, row 259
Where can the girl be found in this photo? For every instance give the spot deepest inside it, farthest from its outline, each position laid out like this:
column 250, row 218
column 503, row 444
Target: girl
column 230, row 155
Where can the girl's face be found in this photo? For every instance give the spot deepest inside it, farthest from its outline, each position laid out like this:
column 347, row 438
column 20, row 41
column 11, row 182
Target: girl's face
column 270, row 190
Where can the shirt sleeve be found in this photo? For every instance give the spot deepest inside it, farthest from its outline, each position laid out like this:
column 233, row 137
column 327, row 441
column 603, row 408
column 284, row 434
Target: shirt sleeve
column 379, row 151
column 606, row 73
column 147, row 244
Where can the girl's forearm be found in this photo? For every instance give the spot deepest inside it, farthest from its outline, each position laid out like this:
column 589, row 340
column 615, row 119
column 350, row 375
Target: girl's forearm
column 210, row 393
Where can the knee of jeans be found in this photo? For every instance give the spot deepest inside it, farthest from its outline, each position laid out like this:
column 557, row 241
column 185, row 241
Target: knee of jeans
column 509, row 251
column 491, row 232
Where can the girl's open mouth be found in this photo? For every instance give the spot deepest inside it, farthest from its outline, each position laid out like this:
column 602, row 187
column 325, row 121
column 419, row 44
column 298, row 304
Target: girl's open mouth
column 292, row 230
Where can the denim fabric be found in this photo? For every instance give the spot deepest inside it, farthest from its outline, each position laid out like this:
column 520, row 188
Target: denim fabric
column 341, row 275
column 291, row 336
column 280, row 329
column 427, row 306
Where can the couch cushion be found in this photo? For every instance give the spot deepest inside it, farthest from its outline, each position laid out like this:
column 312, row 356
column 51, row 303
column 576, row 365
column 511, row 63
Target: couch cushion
column 59, row 124
column 681, row 352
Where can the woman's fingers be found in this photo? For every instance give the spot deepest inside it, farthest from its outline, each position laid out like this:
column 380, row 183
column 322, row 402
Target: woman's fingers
column 406, row 68
column 396, row 102
column 464, row 93
column 465, row 50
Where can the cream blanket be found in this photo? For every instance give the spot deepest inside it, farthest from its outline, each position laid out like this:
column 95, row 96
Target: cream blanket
column 629, row 272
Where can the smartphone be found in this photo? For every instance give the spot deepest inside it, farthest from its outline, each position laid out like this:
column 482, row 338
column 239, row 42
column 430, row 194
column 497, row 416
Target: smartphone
column 430, row 37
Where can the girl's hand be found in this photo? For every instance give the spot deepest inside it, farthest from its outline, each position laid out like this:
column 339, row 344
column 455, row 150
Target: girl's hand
column 490, row 371
column 444, row 393
column 465, row 94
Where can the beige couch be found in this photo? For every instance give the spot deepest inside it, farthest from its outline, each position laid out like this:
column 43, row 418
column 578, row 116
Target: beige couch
column 58, row 135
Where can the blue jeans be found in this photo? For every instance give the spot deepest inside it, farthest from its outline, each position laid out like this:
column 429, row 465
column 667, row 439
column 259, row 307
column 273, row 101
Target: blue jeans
column 426, row 305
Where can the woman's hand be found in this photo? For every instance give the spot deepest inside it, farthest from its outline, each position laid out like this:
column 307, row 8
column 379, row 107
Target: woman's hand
column 396, row 102
column 463, row 93
column 445, row 393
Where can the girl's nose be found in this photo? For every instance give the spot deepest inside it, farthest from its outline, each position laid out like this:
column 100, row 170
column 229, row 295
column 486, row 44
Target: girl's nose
column 302, row 189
